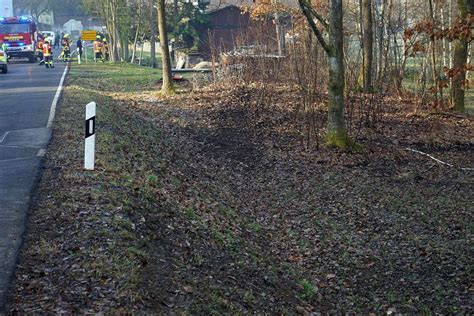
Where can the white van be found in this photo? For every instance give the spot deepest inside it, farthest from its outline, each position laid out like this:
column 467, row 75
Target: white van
column 50, row 36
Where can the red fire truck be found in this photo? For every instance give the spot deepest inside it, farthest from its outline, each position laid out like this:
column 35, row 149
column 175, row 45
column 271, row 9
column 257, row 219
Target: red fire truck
column 19, row 35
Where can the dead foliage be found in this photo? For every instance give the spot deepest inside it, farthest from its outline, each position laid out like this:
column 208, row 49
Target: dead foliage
column 212, row 202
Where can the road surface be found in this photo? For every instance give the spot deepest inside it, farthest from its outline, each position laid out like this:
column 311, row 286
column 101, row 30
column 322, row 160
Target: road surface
column 26, row 95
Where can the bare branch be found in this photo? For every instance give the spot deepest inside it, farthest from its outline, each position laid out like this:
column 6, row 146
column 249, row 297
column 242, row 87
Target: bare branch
column 308, row 12
column 319, row 17
column 437, row 160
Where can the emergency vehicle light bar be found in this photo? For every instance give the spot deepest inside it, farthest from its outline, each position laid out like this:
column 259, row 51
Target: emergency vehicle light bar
column 16, row 19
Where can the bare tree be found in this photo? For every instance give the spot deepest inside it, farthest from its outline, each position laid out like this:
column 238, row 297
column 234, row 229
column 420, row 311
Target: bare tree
column 167, row 86
column 137, row 32
column 336, row 133
column 35, row 8
column 367, row 43
column 112, row 13
column 152, row 36
column 460, row 53
column 434, row 69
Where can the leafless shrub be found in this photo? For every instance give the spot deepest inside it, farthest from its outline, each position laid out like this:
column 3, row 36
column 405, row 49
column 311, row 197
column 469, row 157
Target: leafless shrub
column 302, row 69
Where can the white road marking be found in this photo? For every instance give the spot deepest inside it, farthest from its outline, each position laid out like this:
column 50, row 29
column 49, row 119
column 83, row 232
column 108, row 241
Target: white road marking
column 26, row 90
column 41, row 152
column 56, row 98
column 17, row 159
column 52, row 111
column 3, row 136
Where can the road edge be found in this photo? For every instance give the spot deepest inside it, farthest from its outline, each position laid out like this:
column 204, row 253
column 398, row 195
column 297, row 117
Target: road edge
column 37, row 177
column 52, row 111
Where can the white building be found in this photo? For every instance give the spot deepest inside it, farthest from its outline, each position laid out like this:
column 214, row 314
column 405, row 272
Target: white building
column 6, row 7
column 73, row 27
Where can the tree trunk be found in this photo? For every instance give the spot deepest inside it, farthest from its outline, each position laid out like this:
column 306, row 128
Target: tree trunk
column 381, row 33
column 433, row 53
column 175, row 19
column 116, row 45
column 423, row 80
column 336, row 133
column 167, row 87
column 336, row 129
column 126, row 50
column 280, row 36
column 450, row 21
column 460, row 59
column 367, row 42
column 115, row 41
column 443, row 26
column 141, row 52
column 135, row 38
column 388, row 41
column 152, row 36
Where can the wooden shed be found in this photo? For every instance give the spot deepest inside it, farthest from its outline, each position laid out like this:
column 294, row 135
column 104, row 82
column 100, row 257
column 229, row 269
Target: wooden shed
column 229, row 29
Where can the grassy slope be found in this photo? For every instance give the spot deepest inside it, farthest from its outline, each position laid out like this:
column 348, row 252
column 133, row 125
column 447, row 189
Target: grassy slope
column 81, row 233
column 189, row 211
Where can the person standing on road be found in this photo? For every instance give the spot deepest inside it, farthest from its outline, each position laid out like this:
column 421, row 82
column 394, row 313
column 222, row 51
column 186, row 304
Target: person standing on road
column 39, row 50
column 3, row 47
column 66, row 47
column 97, row 49
column 56, row 40
column 47, row 55
column 79, row 47
column 105, row 51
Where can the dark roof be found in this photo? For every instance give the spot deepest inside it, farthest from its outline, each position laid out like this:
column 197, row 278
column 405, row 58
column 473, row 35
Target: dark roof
column 227, row 7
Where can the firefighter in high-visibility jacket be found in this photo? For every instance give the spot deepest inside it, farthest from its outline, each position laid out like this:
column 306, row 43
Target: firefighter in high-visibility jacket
column 48, row 54
column 3, row 47
column 105, row 51
column 66, row 44
column 39, row 50
column 98, row 49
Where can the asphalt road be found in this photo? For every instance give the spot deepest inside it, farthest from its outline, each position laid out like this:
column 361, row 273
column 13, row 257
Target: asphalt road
column 26, row 96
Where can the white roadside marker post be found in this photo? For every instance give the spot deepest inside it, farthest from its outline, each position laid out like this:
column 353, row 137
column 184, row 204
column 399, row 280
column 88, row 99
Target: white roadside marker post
column 78, row 57
column 89, row 150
